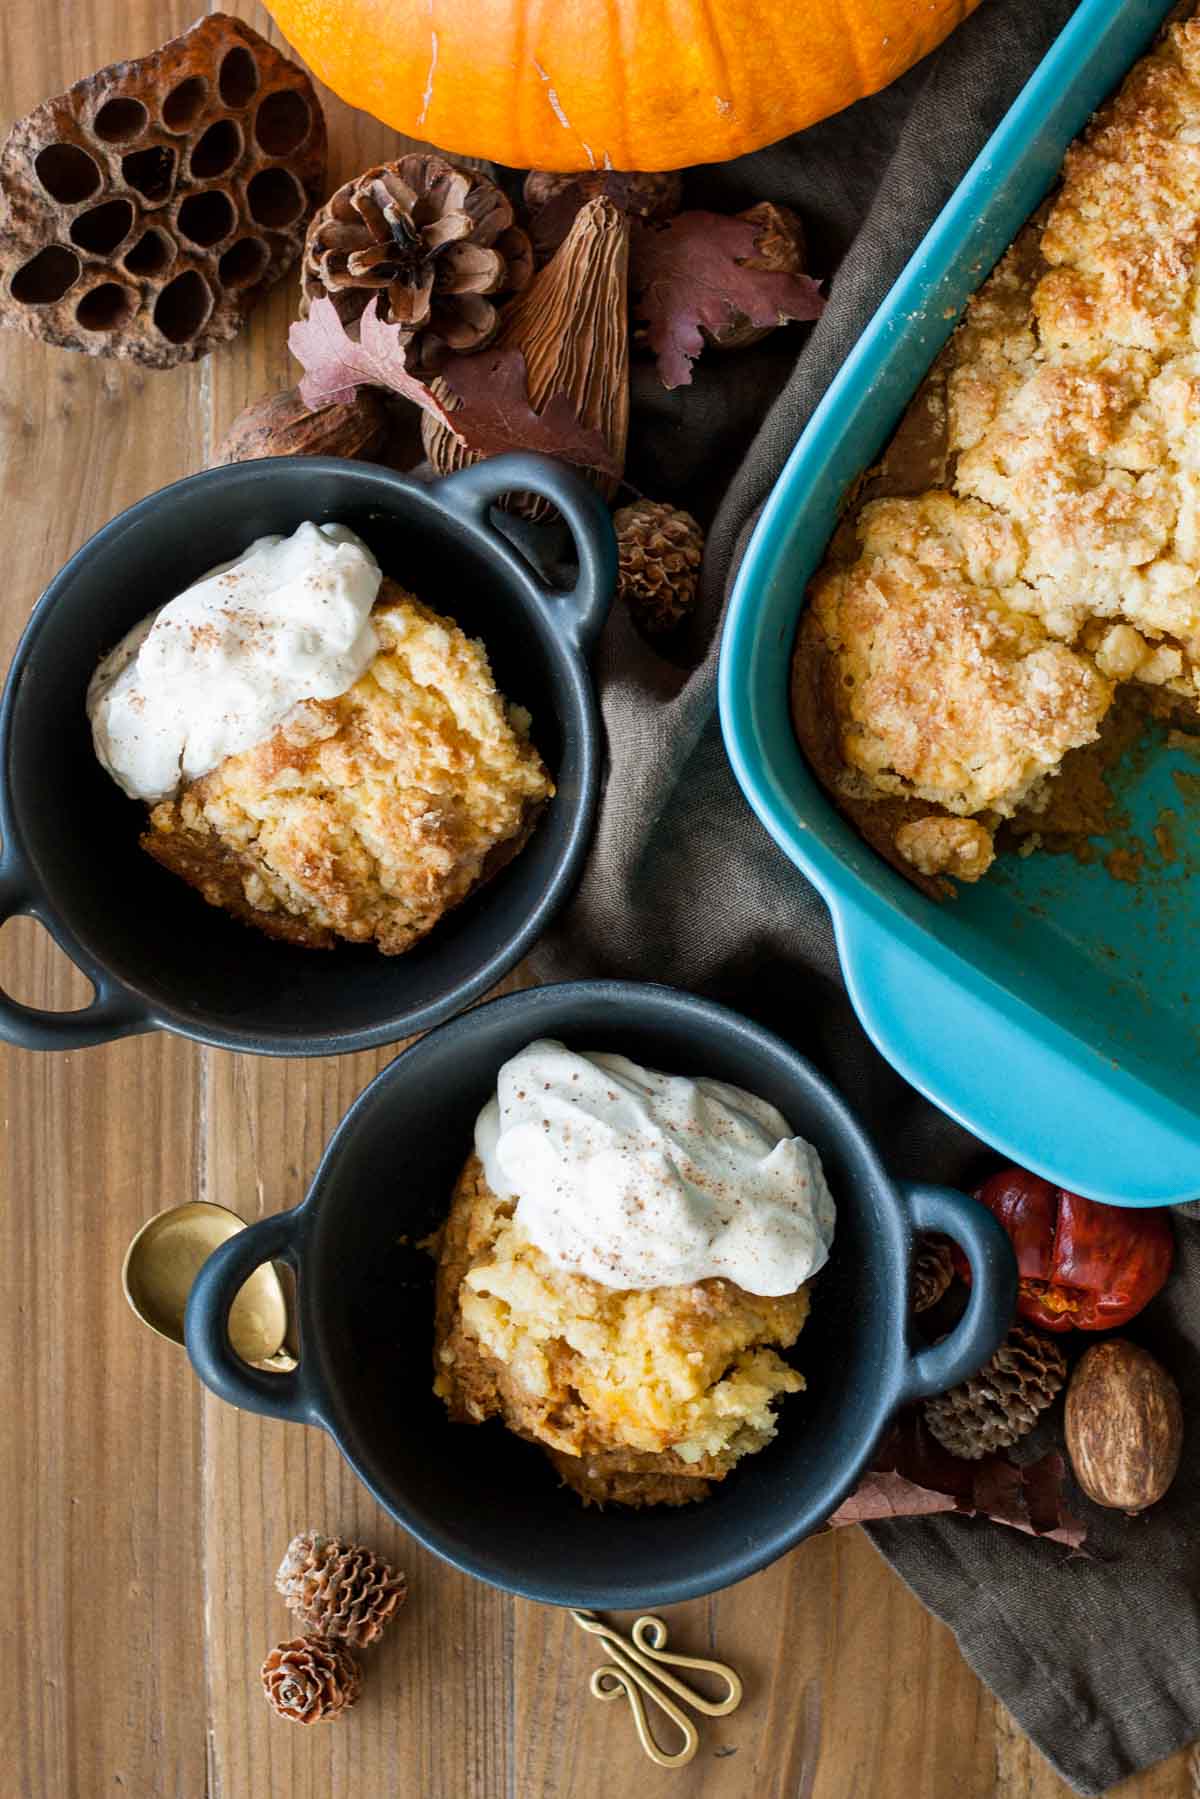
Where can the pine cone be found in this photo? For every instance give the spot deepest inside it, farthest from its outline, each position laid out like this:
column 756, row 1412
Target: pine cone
column 434, row 240
column 932, row 1272
column 309, row 1679
column 1001, row 1403
column 339, row 1589
column 660, row 549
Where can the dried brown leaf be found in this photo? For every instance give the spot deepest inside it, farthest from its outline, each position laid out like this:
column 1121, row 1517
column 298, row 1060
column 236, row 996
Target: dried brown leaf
column 493, row 413
column 483, row 399
column 913, row 1476
column 689, row 276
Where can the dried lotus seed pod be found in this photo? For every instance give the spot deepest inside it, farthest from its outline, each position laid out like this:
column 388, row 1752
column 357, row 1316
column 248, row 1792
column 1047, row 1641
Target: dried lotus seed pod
column 149, row 207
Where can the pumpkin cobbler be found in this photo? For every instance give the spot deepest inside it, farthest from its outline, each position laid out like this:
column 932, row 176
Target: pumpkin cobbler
column 1025, row 566
column 624, row 1266
column 643, row 1398
column 366, row 816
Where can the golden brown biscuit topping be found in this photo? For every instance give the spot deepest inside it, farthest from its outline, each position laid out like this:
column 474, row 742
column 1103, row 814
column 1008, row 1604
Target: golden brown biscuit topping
column 979, row 631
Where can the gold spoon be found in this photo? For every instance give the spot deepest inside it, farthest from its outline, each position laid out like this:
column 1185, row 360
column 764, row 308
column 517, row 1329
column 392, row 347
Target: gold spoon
column 166, row 1256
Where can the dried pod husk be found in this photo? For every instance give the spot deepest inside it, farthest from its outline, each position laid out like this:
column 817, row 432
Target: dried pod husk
column 780, row 250
column 282, row 425
column 1124, row 1425
column 571, row 324
column 552, row 200
column 146, row 210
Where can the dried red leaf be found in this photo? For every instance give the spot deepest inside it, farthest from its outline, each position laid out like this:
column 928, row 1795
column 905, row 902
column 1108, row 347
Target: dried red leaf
column 913, row 1476
column 689, row 276
column 486, row 401
column 336, row 364
column 493, row 413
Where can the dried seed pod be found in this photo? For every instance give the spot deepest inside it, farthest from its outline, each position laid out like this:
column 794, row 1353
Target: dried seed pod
column 553, row 200
column 147, row 208
column 780, row 250
column 572, row 326
column 339, row 1589
column 1124, row 1425
column 282, row 425
column 309, row 1679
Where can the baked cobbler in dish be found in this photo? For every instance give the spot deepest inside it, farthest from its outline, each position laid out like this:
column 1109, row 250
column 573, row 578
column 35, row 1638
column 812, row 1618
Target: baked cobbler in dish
column 1027, row 560
column 324, row 756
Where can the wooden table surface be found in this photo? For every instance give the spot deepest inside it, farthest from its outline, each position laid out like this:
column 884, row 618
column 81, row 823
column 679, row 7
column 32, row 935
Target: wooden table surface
column 145, row 1519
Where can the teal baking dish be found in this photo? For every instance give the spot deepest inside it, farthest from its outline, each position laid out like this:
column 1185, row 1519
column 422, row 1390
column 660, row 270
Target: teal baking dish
column 1053, row 1010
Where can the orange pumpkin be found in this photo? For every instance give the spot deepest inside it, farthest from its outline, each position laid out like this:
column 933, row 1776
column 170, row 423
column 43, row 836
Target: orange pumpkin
column 626, row 84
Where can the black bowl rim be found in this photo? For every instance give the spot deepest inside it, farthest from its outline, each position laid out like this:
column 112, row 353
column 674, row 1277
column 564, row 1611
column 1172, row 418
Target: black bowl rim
column 23, row 890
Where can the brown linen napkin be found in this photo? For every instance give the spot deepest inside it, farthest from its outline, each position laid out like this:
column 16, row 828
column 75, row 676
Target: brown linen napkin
column 1098, row 1659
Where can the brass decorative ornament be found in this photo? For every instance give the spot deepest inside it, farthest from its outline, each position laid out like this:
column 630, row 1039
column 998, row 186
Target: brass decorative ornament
column 640, row 1665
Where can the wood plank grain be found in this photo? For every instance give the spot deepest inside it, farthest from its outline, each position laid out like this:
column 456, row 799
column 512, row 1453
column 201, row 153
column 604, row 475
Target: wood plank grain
column 102, row 1635
column 847, row 1682
column 433, row 1719
column 148, row 1521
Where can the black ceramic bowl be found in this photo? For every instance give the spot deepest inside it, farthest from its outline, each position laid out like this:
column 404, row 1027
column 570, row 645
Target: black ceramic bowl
column 477, row 1495
column 156, row 954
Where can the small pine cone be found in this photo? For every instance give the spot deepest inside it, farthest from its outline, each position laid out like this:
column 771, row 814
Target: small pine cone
column 310, row 1679
column 1001, row 1403
column 932, row 1272
column 660, row 549
column 339, row 1589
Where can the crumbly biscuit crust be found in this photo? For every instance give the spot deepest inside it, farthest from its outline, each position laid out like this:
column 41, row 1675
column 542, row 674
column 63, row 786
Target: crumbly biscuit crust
column 977, row 631
column 366, row 817
column 638, row 1397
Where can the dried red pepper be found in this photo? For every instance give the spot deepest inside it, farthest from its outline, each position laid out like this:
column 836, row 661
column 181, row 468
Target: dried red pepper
column 1081, row 1265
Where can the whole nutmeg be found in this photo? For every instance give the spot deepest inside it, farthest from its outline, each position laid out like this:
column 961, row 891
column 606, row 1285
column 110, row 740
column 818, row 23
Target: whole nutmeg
column 282, row 425
column 779, row 248
column 1124, row 1425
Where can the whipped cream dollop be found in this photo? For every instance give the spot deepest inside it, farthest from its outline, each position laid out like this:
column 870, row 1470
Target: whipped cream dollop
column 639, row 1179
column 216, row 669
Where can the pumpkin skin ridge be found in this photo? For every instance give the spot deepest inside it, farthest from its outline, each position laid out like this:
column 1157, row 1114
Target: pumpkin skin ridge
column 495, row 79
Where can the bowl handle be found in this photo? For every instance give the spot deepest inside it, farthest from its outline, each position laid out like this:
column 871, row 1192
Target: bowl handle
column 206, row 1323
column 993, row 1297
column 472, row 492
column 112, row 1012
